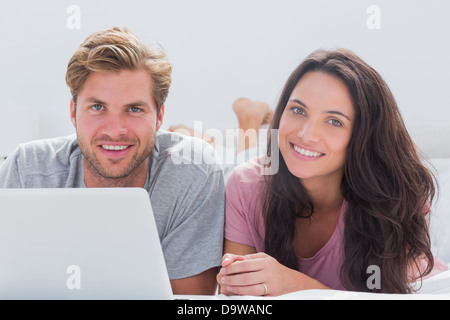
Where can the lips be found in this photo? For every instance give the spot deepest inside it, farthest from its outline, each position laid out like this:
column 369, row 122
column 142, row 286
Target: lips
column 114, row 148
column 306, row 152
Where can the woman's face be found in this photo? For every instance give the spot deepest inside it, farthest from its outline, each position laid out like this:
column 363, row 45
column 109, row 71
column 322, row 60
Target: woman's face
column 316, row 127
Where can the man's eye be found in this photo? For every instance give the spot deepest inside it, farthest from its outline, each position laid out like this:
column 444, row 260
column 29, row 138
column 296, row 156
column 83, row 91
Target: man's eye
column 97, row 107
column 135, row 109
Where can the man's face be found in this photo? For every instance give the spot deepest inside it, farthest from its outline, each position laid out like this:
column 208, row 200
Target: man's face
column 116, row 122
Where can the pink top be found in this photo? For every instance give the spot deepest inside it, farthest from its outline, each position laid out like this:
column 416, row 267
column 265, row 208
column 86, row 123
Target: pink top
column 244, row 224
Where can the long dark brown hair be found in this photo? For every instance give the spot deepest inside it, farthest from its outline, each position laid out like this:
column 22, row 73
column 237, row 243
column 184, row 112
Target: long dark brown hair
column 385, row 184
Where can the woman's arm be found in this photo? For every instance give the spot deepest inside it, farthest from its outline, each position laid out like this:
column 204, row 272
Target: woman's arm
column 245, row 272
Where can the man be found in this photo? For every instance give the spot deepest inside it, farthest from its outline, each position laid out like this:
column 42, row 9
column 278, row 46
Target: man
column 118, row 88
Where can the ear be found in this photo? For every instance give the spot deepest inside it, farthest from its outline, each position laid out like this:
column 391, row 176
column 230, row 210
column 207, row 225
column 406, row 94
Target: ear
column 160, row 117
column 73, row 113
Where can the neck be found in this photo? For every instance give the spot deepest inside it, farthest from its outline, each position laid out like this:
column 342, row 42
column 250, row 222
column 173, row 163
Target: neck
column 325, row 194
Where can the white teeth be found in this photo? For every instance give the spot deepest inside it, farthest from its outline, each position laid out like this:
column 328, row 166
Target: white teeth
column 307, row 153
column 116, row 148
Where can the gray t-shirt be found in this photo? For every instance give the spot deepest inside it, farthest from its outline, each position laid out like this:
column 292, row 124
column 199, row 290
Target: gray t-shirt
column 186, row 188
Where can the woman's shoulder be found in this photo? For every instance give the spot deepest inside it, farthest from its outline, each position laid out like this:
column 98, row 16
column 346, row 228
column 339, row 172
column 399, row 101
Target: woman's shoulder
column 250, row 172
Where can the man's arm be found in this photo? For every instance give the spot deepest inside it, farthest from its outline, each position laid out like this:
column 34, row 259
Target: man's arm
column 190, row 198
column 201, row 284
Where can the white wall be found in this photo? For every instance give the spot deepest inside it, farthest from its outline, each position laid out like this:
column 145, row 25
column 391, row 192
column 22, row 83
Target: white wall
column 220, row 50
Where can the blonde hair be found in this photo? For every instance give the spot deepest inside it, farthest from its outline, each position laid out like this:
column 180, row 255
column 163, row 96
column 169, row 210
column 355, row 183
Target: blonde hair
column 119, row 49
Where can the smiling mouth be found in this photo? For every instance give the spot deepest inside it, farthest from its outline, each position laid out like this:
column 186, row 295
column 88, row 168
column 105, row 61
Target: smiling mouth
column 306, row 152
column 114, row 148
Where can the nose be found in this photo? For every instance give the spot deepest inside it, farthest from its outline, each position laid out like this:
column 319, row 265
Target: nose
column 310, row 131
column 114, row 126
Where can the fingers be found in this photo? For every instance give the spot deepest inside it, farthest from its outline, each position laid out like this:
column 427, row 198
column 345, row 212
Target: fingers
column 247, row 283
column 229, row 258
column 253, row 290
column 243, row 275
column 242, row 279
column 228, row 261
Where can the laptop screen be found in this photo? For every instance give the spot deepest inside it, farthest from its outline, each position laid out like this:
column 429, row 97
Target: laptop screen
column 80, row 244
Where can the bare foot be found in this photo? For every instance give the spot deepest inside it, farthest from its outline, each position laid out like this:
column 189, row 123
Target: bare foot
column 252, row 114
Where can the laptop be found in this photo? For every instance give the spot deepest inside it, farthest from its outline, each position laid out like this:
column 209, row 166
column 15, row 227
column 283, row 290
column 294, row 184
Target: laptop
column 85, row 243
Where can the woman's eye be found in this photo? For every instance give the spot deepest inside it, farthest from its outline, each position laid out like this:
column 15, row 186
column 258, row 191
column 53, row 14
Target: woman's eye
column 335, row 122
column 297, row 110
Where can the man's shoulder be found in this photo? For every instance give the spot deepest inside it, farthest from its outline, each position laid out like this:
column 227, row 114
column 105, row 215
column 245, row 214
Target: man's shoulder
column 49, row 143
column 46, row 156
column 43, row 163
column 45, row 149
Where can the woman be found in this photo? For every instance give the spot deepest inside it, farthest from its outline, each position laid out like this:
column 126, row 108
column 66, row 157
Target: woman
column 350, row 195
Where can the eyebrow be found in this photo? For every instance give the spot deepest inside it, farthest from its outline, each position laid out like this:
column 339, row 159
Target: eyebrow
column 131, row 104
column 328, row 111
column 95, row 100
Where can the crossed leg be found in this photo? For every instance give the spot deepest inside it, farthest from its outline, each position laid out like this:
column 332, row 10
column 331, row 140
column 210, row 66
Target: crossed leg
column 251, row 115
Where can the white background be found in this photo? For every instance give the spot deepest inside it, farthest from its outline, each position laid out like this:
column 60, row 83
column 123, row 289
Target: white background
column 220, row 50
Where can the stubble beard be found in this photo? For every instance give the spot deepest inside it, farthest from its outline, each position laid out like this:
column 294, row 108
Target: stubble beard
column 123, row 177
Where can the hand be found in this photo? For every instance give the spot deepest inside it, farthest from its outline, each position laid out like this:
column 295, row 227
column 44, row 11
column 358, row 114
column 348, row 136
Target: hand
column 227, row 260
column 255, row 274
